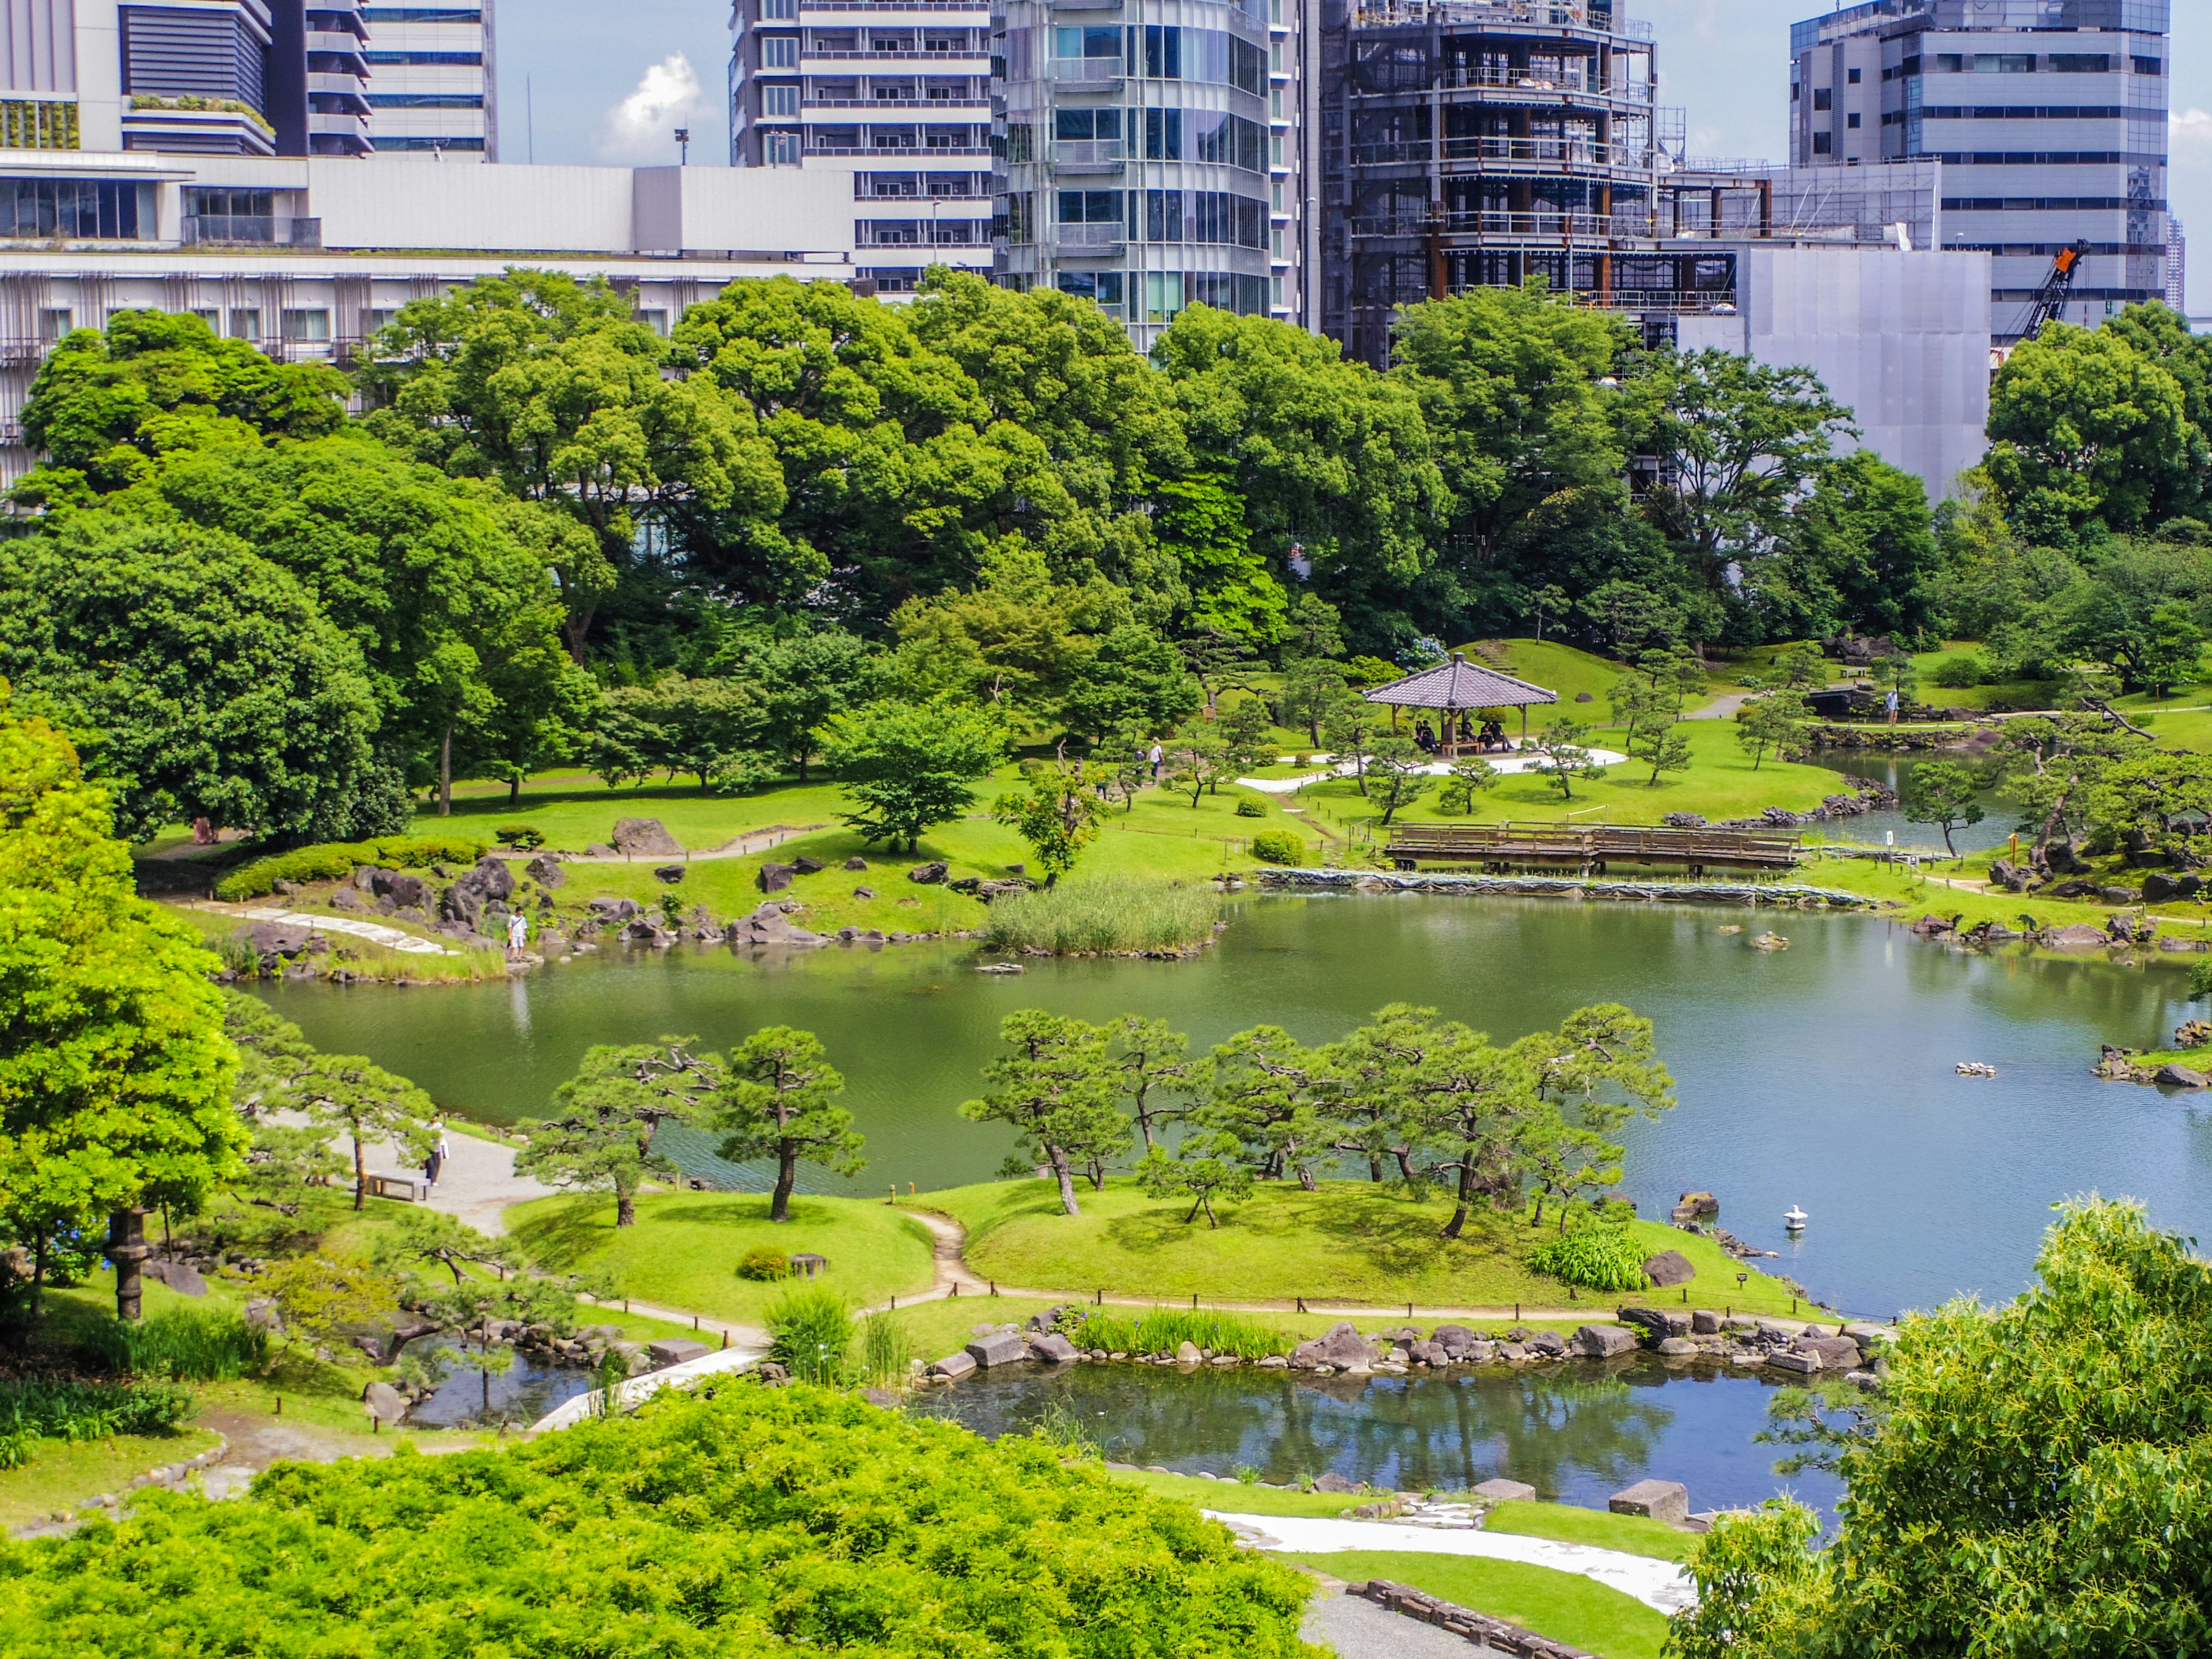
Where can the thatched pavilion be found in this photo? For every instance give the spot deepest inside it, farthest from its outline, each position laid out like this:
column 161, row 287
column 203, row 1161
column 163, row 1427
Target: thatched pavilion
column 1456, row 689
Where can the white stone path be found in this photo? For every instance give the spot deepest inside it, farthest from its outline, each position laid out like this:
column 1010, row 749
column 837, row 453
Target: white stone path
column 1656, row 1583
column 1506, row 765
column 375, row 933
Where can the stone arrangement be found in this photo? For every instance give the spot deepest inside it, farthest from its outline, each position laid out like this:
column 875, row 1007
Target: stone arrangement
column 1481, row 1629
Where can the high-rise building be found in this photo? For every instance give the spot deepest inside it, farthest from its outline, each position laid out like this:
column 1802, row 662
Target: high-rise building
column 2176, row 267
column 2049, row 116
column 890, row 102
column 432, row 93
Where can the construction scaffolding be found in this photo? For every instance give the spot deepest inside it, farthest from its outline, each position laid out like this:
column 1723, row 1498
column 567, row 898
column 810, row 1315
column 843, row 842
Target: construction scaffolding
column 1471, row 143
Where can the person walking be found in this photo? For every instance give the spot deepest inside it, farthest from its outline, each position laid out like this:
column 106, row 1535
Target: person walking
column 1155, row 756
column 440, row 1149
column 518, row 935
column 1889, row 703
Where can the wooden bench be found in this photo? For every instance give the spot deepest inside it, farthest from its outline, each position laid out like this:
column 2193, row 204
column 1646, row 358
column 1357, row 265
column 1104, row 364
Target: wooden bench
column 409, row 1189
column 1591, row 848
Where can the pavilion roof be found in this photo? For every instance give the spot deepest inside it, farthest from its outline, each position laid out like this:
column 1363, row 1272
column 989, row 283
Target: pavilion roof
column 1460, row 685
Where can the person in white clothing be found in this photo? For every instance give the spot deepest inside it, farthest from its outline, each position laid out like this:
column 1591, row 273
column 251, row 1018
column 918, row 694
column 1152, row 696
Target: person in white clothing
column 518, row 935
column 440, row 1149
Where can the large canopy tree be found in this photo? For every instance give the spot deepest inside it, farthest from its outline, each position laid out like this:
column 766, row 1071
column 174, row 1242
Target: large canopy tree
column 115, row 1075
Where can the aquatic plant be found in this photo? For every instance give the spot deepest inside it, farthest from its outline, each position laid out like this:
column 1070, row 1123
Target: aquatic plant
column 1102, row 916
column 810, row 1333
column 1162, row 1330
column 182, row 1344
column 1598, row 1256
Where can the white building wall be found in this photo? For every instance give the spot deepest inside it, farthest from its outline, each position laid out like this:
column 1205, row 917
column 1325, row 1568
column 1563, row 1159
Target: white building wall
column 1900, row 339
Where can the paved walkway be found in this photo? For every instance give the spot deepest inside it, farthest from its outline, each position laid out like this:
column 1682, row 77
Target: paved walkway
column 1505, row 765
column 478, row 1183
column 322, row 921
column 1358, row 1629
column 1656, row 1583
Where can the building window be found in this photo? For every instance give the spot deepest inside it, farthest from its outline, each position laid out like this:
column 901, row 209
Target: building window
column 54, row 322
column 1852, row 76
column 780, row 98
column 779, row 51
column 376, row 321
column 780, row 150
column 781, row 10
column 1950, row 62
column 245, row 325
column 2004, row 63
column 1823, row 99
column 654, row 319
column 423, row 57
column 426, row 100
column 1852, row 122
column 76, row 209
column 1162, row 296
column 2149, row 65
column 31, row 124
column 418, row 14
column 211, row 317
column 307, row 324
column 2081, row 63
column 1822, row 143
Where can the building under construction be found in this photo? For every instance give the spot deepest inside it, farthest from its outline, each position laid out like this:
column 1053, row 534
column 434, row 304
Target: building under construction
column 1470, row 144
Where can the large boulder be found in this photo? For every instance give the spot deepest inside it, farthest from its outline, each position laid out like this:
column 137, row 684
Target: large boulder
column 953, row 1366
column 1548, row 1342
column 1652, row 1321
column 490, row 881
column 674, row 1350
column 2180, row 1077
column 406, row 892
column 856, row 862
column 645, row 838
column 806, row 866
column 1341, row 1346
column 770, row 926
column 612, row 910
column 774, row 878
column 1669, row 1268
column 1502, row 1490
column 2159, row 888
column 2081, row 936
column 1051, row 1346
column 384, row 1402
column 1333, row 1482
column 545, row 869
column 179, row 1276
column 279, row 938
column 927, row 874
column 671, row 873
column 1603, row 1341
column 1662, row 1500
column 998, row 1348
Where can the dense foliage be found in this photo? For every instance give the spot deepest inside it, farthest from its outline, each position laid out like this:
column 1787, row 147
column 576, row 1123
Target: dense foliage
column 2039, row 1484
column 738, row 1521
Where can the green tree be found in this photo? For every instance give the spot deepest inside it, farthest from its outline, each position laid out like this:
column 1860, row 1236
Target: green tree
column 1775, row 721
column 1196, row 760
column 1352, row 728
column 1248, row 735
column 1640, row 705
column 801, row 680
column 553, row 388
column 365, row 1102
column 1058, row 814
column 1943, row 793
column 1663, row 749
column 1469, row 778
column 1561, row 748
column 1153, row 1058
column 1204, row 1168
column 1017, row 639
column 1594, row 1074
column 421, row 1237
column 1634, row 617
column 2016, row 1494
column 115, row 1075
column 2086, row 431
column 2174, row 652
column 1270, row 1091
column 1396, row 775
column 1132, row 677
column 1056, row 1091
column 909, row 766
column 207, row 682
column 1312, row 688
column 1464, row 1104
column 711, row 729
column 1200, row 522
column 2159, row 800
column 107, row 405
column 1860, row 552
column 780, row 1101
column 601, row 1139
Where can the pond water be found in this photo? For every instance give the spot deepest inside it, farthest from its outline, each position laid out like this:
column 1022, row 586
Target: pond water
column 2000, row 813
column 1578, row 1432
column 467, row 1400
column 1820, row 1076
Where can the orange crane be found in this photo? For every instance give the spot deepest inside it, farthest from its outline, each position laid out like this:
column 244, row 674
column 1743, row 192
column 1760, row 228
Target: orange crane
column 2049, row 301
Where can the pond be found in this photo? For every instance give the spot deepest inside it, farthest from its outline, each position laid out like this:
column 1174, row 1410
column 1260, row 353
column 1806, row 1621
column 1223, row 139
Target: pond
column 528, row 1390
column 1820, row 1076
column 2000, row 812
column 1578, row 1432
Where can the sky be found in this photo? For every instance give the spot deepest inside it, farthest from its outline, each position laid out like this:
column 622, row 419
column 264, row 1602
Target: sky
column 574, row 87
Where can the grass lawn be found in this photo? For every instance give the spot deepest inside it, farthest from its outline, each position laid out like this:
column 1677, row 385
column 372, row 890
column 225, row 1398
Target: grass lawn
column 1240, row 1497
column 1352, row 1240
column 1927, row 893
column 1563, row 1606
column 61, row 1475
column 684, row 1249
column 1564, row 1523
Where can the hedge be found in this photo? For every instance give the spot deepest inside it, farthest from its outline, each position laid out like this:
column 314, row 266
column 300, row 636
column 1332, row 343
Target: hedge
column 334, row 860
column 742, row 1520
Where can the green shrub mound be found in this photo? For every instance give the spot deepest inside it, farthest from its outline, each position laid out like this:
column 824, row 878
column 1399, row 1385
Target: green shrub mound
column 1597, row 1257
column 1277, row 847
column 740, row 1521
column 34, row 1408
column 763, row 1263
column 333, row 860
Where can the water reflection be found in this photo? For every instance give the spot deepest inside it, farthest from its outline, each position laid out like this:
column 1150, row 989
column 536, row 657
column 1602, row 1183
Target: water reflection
column 467, row 1400
column 1577, row 1432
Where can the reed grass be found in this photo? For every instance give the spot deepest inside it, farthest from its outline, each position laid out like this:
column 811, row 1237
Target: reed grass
column 182, row 1344
column 886, row 1350
column 1162, row 1330
column 1103, row 915
column 32, row 1408
column 812, row 1335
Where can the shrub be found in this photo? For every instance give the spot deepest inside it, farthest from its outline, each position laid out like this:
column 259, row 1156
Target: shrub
column 1162, row 1330
column 183, row 1345
column 1277, row 847
column 67, row 1408
column 334, row 860
column 810, row 1333
column 527, row 836
column 734, row 1520
column 1956, row 673
column 1105, row 913
column 1596, row 1255
column 764, row 1262
column 1251, row 806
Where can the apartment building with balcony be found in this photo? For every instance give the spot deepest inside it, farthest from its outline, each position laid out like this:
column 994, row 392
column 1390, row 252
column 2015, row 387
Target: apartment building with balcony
column 889, row 102
column 433, row 90
column 2049, row 116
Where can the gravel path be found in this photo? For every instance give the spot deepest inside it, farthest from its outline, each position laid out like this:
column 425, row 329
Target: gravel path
column 1358, row 1629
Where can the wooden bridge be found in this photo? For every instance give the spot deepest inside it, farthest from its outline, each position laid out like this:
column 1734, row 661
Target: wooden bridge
column 1590, row 848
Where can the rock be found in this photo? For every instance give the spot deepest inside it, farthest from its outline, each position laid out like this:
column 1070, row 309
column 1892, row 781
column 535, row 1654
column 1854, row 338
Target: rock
column 1678, row 1347
column 1603, row 1341
column 2013, row 878
column 1704, row 1321
column 2120, row 896
column 1502, row 1490
column 769, row 925
column 1870, row 1338
column 1651, row 1320
column 599, row 849
column 927, row 874
column 1684, row 820
column 1584, row 696
column 992, row 890
column 1662, row 1500
column 278, row 939
column 1430, row 1353
column 774, row 878
column 856, row 862
column 2159, row 888
column 545, row 869
column 645, row 838
column 1790, row 1360
column 2081, row 936
column 2180, row 1077
column 864, row 892
column 1454, row 1339
column 643, row 930
column 489, row 881
column 965, row 884
column 1548, row 1342
column 1189, row 1354
column 674, row 1350
column 345, row 898
column 613, row 909
column 2192, row 1034
column 1669, row 1268
column 601, row 1333
column 671, row 873
column 179, row 1276
column 1341, row 1346
column 1333, row 1482
column 385, row 1403
column 998, row 1348
column 953, row 1365
column 806, row 866
column 405, row 892
column 1052, row 1347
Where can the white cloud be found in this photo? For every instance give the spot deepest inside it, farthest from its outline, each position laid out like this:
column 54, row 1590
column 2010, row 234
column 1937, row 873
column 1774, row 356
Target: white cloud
column 2191, row 126
column 642, row 127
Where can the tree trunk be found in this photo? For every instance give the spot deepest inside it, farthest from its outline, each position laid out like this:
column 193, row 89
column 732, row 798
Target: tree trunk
column 786, row 1176
column 360, row 1172
column 625, row 1206
column 1065, row 1176
column 515, row 791
column 1537, row 1220
column 38, row 1276
column 1196, row 1204
column 1453, row 1228
column 446, row 775
column 1306, row 1178
column 1374, row 1167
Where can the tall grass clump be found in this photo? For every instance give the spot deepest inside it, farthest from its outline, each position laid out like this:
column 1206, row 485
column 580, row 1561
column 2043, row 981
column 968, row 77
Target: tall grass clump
column 1105, row 915
column 1598, row 1254
column 1162, row 1330
column 810, row 1333
column 34, row 1408
column 182, row 1344
column 886, row 1350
